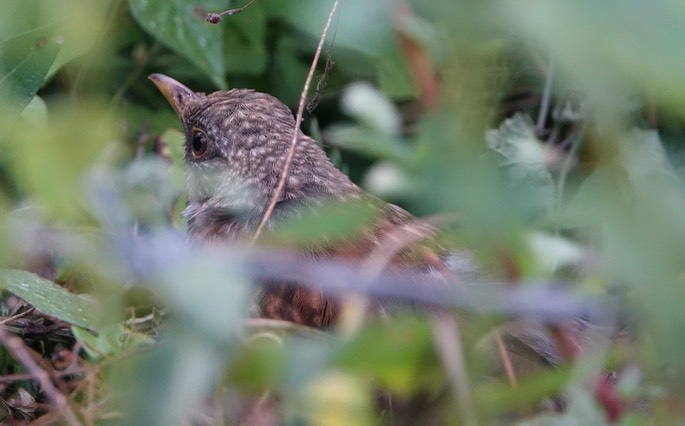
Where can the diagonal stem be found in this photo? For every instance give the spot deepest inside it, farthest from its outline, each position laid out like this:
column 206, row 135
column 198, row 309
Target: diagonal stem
column 296, row 131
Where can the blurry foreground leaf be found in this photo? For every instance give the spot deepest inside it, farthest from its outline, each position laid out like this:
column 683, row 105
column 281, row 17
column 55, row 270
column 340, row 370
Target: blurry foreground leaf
column 339, row 399
column 554, row 251
column 326, row 224
column 50, row 298
column 367, row 141
column 209, row 297
column 531, row 389
column 49, row 162
column 76, row 24
column 610, row 46
column 168, row 385
column 582, row 409
column 259, row 363
column 110, row 340
column 525, row 160
column 24, row 62
column 368, row 105
column 400, row 355
column 36, row 112
column 387, row 180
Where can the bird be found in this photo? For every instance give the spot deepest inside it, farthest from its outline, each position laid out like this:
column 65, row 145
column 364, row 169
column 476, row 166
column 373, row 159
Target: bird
column 236, row 144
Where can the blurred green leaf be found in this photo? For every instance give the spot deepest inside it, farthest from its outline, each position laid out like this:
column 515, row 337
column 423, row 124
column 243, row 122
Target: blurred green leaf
column 36, row 112
column 400, row 355
column 110, row 340
column 57, row 155
column 582, row 409
column 361, row 26
column 259, row 364
column 643, row 157
column 607, row 48
column 531, row 389
column 369, row 106
column 525, row 159
column 181, row 25
column 387, row 180
column 287, row 72
column 337, row 398
column 24, row 62
column 175, row 143
column 554, row 251
column 245, row 40
column 77, row 23
column 325, row 224
column 168, row 384
column 209, row 297
column 368, row 142
column 51, row 299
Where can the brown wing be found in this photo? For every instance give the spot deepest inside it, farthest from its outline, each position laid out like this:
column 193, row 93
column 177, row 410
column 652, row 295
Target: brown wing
column 397, row 240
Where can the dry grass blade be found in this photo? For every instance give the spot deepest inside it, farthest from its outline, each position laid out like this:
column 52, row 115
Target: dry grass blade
column 22, row 354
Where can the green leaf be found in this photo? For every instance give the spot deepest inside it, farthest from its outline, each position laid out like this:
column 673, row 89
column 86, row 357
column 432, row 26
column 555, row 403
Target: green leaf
column 111, row 339
column 532, row 387
column 24, row 62
column 325, row 224
column 554, row 251
column 399, row 355
column 620, row 44
column 371, row 107
column 50, row 298
column 207, row 297
column 181, row 25
column 525, row 160
column 361, row 26
column 368, row 142
column 259, row 364
column 286, row 73
column 59, row 154
column 77, row 23
column 36, row 112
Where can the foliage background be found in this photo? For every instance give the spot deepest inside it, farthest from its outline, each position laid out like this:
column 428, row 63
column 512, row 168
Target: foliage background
column 582, row 185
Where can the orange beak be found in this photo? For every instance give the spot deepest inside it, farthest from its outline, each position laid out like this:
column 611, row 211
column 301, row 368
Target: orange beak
column 176, row 93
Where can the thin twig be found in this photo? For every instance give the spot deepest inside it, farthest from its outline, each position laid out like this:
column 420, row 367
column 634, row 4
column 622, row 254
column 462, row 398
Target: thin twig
column 215, row 18
column 546, row 97
column 9, row 378
column 17, row 316
column 566, row 166
column 296, row 130
column 21, row 353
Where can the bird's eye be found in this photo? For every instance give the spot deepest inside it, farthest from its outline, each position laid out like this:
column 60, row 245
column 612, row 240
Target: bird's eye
column 198, row 144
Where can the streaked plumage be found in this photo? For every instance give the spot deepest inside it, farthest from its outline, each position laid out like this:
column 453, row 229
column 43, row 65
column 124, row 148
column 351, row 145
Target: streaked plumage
column 248, row 135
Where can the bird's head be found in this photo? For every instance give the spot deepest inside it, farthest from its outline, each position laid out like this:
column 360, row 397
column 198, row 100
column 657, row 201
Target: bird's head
column 236, row 145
